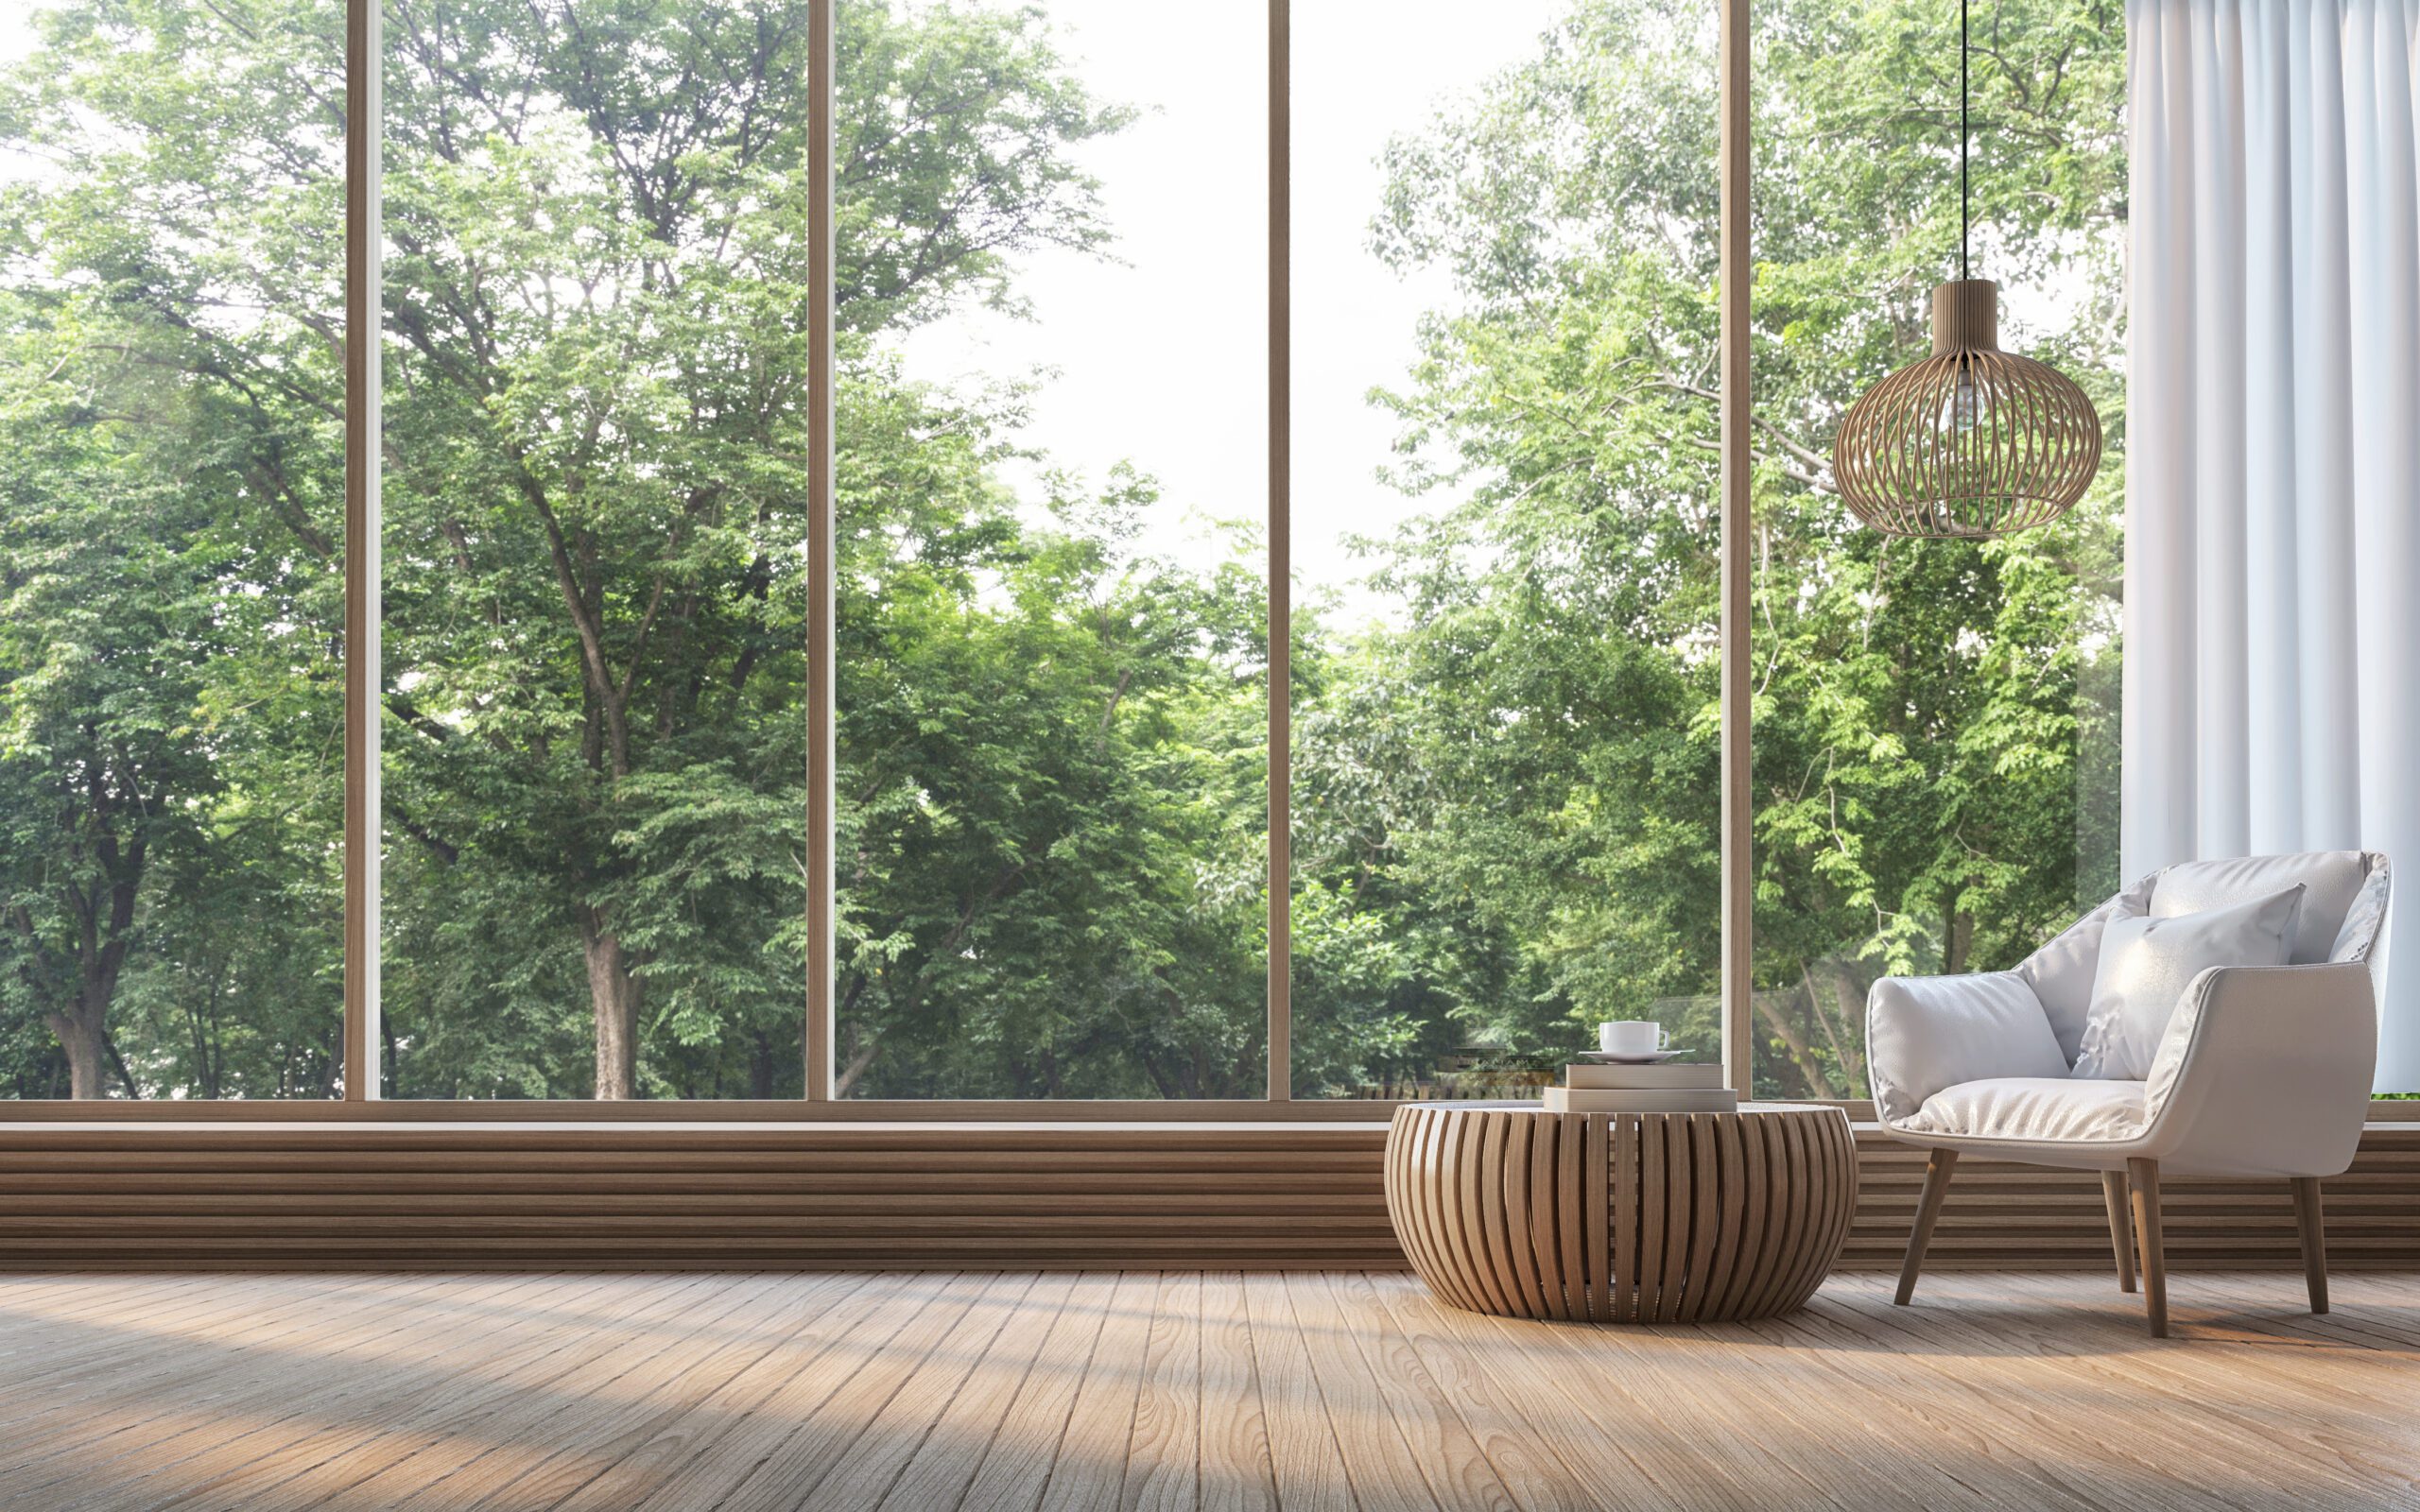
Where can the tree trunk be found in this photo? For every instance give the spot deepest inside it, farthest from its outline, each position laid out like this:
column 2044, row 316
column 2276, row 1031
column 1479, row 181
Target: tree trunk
column 83, row 1030
column 613, row 993
column 760, row 1068
column 1802, row 1055
column 88, row 1055
column 1849, row 996
column 847, row 1079
column 1845, row 998
column 1961, row 942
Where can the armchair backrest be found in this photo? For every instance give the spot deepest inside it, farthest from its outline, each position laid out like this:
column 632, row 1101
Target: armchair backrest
column 2345, row 909
column 2333, row 882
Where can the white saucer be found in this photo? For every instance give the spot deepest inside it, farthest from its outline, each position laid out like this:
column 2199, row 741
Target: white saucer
column 1652, row 1058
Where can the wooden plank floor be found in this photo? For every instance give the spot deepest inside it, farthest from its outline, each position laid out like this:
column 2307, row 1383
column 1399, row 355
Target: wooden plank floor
column 1317, row 1391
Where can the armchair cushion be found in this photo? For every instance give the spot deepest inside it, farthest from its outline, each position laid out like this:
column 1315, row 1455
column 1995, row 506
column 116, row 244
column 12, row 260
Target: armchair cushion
column 2034, row 1107
column 2331, row 879
column 2146, row 963
column 2061, row 972
column 1924, row 1033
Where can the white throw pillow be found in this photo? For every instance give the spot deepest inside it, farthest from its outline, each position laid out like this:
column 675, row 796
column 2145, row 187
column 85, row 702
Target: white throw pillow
column 2146, row 964
column 1926, row 1033
column 2061, row 972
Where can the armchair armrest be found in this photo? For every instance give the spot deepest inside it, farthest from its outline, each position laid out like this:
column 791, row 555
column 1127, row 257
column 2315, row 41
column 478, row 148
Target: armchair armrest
column 1924, row 1033
column 2265, row 1071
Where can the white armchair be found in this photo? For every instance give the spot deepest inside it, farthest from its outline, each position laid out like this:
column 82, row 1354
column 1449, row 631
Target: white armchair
column 2264, row 1071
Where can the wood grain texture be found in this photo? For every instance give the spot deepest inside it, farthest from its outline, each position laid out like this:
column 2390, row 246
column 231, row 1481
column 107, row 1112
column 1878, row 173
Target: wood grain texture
column 1305, row 1452
column 2007, row 1217
column 1628, row 1225
column 1940, row 1166
column 688, row 1196
column 1038, row 1196
column 2151, row 1253
column 1325, row 1392
column 2121, row 1227
column 2310, row 1227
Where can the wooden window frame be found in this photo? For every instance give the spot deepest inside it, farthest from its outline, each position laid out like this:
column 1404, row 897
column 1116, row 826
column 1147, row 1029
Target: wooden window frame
column 361, row 1101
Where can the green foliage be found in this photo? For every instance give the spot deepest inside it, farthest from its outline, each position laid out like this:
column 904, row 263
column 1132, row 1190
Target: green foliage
column 1052, row 763
column 169, row 703
column 1934, row 721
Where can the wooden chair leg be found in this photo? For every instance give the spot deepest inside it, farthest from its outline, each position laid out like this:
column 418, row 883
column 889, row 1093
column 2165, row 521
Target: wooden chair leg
column 1937, row 1171
column 2143, row 1176
column 2121, row 1230
column 2308, row 1220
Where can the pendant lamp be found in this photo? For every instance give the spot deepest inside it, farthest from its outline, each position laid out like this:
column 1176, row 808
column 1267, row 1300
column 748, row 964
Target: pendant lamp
column 1972, row 441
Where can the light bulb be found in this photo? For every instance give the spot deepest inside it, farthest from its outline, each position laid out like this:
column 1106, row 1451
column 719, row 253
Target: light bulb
column 1963, row 409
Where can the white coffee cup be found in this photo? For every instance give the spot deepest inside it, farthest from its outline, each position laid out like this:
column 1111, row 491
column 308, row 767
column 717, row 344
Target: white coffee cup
column 1631, row 1036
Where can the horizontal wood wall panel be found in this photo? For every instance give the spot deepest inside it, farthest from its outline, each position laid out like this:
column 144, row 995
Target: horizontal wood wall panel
column 2002, row 1216
column 672, row 1196
column 868, row 1197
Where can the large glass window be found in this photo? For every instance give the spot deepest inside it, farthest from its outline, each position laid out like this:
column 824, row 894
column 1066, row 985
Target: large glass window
column 1052, row 608
column 1936, row 734
column 1505, row 513
column 1049, row 314
column 171, row 585
column 595, row 511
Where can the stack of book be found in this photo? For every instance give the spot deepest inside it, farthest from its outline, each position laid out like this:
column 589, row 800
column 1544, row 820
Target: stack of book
column 1594, row 1087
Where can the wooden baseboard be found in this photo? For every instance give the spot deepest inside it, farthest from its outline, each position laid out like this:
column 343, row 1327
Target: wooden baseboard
column 1262, row 1195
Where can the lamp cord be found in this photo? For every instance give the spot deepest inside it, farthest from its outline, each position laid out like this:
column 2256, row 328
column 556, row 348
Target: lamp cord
column 1966, row 207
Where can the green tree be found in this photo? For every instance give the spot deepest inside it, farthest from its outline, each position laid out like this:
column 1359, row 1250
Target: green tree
column 596, row 485
column 597, row 433
column 169, row 709
column 1922, row 710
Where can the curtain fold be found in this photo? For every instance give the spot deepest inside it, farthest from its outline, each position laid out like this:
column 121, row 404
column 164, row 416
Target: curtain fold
column 2272, row 694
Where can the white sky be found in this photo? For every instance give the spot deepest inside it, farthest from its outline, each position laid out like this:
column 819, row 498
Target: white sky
column 1161, row 357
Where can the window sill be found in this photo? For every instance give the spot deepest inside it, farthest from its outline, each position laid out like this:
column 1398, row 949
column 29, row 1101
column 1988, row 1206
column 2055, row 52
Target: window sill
column 773, row 1117
column 723, row 1114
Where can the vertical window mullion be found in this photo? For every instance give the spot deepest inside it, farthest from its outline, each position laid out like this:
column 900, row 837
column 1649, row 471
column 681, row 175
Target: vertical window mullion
column 1280, row 606
column 362, row 319
column 1739, row 879
column 823, row 537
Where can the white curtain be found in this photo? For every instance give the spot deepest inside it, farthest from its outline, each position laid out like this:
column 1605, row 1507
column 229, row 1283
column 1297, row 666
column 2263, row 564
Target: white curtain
column 2272, row 457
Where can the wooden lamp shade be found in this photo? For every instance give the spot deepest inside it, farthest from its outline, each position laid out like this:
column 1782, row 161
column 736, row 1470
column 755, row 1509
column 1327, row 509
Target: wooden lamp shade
column 1972, row 441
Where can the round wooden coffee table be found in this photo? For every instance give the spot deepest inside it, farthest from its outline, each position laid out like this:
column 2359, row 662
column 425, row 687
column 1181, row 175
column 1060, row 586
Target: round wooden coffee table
column 1621, row 1217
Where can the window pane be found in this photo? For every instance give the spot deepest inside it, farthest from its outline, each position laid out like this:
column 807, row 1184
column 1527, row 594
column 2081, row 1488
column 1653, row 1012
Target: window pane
column 1505, row 527
column 1052, row 607
column 171, row 479
column 596, row 510
column 1936, row 721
